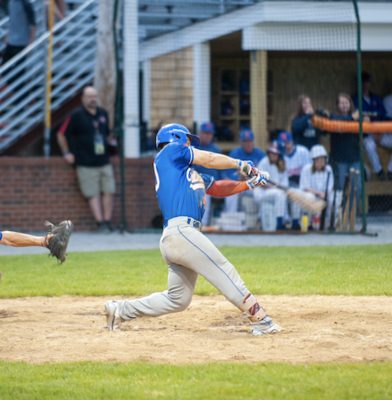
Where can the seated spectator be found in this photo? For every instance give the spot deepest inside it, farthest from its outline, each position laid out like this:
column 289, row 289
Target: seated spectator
column 345, row 149
column 373, row 108
column 295, row 158
column 275, row 166
column 301, row 127
column 245, row 152
column 206, row 134
column 314, row 176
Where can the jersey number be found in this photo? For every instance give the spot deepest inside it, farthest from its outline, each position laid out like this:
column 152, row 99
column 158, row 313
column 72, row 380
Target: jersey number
column 157, row 182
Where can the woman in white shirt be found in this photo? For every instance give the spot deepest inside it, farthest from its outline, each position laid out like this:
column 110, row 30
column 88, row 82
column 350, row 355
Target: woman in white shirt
column 275, row 166
column 314, row 177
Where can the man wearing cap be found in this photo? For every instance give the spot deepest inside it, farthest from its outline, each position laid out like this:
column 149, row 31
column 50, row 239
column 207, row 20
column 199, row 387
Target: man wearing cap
column 275, row 166
column 246, row 152
column 295, row 158
column 206, row 134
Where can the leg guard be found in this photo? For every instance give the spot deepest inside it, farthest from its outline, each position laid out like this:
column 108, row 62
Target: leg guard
column 251, row 308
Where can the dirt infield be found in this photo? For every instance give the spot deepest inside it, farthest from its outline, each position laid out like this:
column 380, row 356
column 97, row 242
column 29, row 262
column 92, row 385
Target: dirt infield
column 318, row 329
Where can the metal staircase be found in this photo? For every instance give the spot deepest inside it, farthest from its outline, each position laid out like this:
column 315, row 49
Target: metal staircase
column 23, row 79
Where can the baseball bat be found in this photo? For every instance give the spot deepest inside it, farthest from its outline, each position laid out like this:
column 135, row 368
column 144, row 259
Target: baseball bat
column 340, row 214
column 322, row 222
column 354, row 206
column 312, row 205
column 332, row 220
column 347, row 207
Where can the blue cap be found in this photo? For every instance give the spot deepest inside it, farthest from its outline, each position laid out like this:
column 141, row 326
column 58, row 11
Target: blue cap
column 207, row 127
column 247, row 134
column 285, row 137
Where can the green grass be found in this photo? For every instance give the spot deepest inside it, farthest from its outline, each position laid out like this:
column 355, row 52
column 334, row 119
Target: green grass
column 209, row 381
column 351, row 270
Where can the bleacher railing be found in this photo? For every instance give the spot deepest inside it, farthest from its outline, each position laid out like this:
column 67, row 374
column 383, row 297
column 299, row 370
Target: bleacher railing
column 23, row 79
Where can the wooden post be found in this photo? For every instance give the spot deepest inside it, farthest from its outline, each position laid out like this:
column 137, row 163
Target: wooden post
column 105, row 65
column 258, row 97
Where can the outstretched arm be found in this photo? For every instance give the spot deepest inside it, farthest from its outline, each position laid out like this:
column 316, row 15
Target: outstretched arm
column 16, row 239
column 227, row 188
column 220, row 161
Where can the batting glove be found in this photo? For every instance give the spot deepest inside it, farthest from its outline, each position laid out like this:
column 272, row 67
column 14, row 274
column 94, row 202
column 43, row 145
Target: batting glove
column 259, row 180
column 246, row 168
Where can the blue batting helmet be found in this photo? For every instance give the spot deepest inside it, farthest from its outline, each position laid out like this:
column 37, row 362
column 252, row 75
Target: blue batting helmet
column 176, row 133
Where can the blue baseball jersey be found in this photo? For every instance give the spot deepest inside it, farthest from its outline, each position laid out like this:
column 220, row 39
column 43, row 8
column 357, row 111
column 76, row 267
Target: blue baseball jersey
column 181, row 190
column 239, row 153
column 213, row 148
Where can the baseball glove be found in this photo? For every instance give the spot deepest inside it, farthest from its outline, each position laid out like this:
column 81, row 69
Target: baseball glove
column 57, row 238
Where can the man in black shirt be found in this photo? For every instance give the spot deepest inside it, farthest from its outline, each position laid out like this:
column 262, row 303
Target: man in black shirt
column 83, row 139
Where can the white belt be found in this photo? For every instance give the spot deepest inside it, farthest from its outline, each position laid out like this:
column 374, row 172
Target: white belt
column 183, row 220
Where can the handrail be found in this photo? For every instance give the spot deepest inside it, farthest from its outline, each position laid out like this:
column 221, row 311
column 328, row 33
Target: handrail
column 45, row 36
column 22, row 100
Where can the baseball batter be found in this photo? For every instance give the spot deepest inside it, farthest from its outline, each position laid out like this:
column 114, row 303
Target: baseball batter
column 181, row 195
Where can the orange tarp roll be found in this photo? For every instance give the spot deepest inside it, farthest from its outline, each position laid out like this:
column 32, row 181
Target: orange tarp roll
column 328, row 125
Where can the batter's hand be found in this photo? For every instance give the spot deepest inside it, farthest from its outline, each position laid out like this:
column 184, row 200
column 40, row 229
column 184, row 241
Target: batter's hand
column 259, row 180
column 246, row 168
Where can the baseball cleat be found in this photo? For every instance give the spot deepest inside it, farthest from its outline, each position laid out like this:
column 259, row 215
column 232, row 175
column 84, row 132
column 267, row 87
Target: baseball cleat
column 113, row 320
column 266, row 325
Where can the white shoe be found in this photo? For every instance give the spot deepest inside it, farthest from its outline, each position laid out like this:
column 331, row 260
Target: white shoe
column 266, row 325
column 113, row 320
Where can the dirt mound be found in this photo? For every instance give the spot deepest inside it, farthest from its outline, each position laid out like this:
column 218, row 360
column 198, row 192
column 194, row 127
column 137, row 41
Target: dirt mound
column 317, row 329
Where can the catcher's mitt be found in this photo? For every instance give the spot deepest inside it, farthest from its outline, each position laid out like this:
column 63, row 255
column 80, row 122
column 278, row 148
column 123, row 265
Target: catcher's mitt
column 57, row 238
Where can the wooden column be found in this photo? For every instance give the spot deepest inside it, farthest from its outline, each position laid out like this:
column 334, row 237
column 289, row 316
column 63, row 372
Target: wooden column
column 105, row 66
column 258, row 97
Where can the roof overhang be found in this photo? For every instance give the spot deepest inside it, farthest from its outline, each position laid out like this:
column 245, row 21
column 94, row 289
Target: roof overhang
column 287, row 25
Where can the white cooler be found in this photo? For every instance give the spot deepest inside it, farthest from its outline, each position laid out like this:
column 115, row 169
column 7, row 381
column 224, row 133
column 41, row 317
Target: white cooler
column 232, row 221
column 268, row 218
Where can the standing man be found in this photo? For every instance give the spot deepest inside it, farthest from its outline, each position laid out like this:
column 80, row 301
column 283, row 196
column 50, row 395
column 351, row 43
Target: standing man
column 373, row 108
column 83, row 139
column 206, row 134
column 187, row 252
column 246, row 152
column 22, row 27
column 296, row 157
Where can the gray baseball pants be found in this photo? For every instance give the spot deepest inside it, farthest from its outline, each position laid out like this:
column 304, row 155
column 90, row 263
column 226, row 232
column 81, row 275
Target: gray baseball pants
column 188, row 253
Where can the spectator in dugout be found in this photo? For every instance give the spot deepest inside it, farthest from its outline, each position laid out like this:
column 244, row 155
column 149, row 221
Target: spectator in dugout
column 206, row 134
column 296, row 157
column 301, row 127
column 313, row 180
column 345, row 147
column 373, row 108
column 385, row 140
column 83, row 139
column 246, row 152
column 273, row 164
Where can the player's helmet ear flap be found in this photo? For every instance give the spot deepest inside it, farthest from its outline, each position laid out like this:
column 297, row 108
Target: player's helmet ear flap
column 176, row 133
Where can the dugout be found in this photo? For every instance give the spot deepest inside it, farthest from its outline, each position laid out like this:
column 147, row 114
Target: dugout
column 258, row 60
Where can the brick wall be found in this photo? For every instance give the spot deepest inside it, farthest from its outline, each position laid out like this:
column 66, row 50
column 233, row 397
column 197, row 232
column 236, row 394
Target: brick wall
column 35, row 189
column 172, row 88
